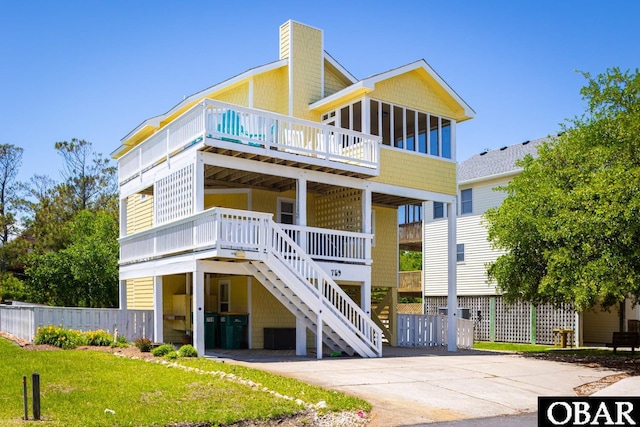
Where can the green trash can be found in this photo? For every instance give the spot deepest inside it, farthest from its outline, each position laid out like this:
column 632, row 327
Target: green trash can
column 233, row 327
column 211, row 331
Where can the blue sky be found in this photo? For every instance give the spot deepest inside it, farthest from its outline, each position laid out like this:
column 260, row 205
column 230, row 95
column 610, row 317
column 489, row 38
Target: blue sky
column 95, row 69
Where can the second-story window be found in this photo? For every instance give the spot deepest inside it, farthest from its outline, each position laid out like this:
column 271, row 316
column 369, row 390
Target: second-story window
column 400, row 127
column 466, row 201
column 438, row 210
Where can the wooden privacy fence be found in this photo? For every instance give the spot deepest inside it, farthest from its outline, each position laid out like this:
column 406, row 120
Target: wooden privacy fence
column 22, row 321
column 421, row 330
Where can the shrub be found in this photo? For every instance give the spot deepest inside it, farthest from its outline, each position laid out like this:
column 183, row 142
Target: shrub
column 172, row 355
column 59, row 337
column 98, row 338
column 120, row 342
column 187, row 350
column 143, row 344
column 163, row 350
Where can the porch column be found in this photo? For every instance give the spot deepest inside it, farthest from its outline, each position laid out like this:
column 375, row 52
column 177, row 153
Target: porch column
column 158, row 331
column 452, row 292
column 365, row 296
column 198, row 310
column 301, row 213
column 123, row 217
column 367, row 220
column 198, row 184
column 122, row 294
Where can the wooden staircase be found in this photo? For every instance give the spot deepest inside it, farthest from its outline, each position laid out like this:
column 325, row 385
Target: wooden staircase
column 310, row 294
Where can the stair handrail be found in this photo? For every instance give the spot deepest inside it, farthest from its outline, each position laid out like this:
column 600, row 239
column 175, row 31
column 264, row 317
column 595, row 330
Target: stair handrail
column 305, row 269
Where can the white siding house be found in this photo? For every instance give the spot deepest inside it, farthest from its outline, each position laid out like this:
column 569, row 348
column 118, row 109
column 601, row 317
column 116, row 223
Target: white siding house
column 479, row 177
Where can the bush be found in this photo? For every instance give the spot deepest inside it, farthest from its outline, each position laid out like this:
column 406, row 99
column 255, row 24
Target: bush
column 98, row 338
column 143, row 344
column 120, row 342
column 59, row 337
column 187, row 350
column 163, row 350
column 172, row 355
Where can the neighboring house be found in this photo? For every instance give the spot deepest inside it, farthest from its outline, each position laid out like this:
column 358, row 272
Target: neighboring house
column 478, row 178
column 267, row 204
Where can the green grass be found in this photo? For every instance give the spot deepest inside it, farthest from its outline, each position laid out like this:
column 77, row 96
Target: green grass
column 77, row 386
column 534, row 348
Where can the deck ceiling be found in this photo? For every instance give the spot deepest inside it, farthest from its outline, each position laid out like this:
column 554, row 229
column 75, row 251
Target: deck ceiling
column 217, row 177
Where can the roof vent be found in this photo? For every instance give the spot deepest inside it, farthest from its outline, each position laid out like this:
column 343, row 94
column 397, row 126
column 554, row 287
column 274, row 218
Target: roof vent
column 503, row 148
column 526, row 142
column 482, row 153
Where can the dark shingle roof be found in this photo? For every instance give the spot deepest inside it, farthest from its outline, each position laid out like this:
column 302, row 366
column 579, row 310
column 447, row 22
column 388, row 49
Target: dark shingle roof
column 498, row 161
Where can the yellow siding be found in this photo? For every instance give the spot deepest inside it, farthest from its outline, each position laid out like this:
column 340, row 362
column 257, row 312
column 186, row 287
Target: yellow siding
column 267, row 312
column 270, row 91
column 140, row 294
column 333, row 81
column 384, row 270
column 599, row 325
column 232, row 201
column 139, row 213
column 307, row 61
column 420, row 172
column 238, row 95
column 172, row 285
column 285, row 38
column 414, row 90
column 267, row 201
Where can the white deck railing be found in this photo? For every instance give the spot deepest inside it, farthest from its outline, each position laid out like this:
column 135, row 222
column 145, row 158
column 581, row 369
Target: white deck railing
column 329, row 293
column 323, row 244
column 276, row 134
column 221, row 228
column 215, row 228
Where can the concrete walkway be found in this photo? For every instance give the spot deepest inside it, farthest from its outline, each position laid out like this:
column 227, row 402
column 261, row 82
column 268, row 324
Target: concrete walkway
column 417, row 386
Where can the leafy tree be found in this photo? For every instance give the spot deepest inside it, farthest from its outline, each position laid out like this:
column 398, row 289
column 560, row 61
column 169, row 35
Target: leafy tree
column 571, row 221
column 10, row 161
column 410, row 261
column 85, row 272
column 12, row 288
column 89, row 179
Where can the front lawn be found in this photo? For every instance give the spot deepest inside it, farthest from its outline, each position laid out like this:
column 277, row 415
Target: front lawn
column 89, row 388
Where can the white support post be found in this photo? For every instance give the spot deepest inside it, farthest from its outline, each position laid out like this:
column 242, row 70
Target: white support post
column 301, row 209
column 301, row 338
column 198, row 184
column 319, row 333
column 365, row 296
column 123, row 217
column 452, row 293
column 158, row 330
column 122, row 294
column 367, row 223
column 198, row 310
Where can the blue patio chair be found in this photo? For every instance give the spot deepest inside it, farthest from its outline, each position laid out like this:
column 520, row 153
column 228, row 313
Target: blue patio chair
column 230, row 125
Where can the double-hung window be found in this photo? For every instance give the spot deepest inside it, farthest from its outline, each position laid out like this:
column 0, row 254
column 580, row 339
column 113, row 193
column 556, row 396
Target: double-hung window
column 466, row 201
column 438, row 210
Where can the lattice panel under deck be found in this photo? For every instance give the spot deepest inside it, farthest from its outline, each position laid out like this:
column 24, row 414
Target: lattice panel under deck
column 174, row 196
column 340, row 208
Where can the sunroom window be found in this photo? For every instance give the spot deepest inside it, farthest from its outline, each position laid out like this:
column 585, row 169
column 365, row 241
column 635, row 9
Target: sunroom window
column 398, row 126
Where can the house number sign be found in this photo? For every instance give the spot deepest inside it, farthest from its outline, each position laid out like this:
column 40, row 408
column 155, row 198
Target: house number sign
column 336, row 273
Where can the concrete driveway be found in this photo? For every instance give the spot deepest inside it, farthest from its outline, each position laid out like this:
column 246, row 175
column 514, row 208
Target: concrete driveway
column 417, row 386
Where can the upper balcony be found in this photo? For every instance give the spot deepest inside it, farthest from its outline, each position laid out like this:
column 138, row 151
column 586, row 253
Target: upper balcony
column 260, row 135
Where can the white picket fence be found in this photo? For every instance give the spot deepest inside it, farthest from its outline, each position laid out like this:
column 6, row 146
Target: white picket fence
column 421, row 330
column 22, row 321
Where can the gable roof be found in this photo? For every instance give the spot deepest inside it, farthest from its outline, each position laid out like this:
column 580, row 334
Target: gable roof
column 493, row 163
column 368, row 84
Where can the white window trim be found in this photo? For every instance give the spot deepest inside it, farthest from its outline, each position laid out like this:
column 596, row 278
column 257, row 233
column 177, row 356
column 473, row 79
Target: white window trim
column 279, row 209
column 222, row 283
